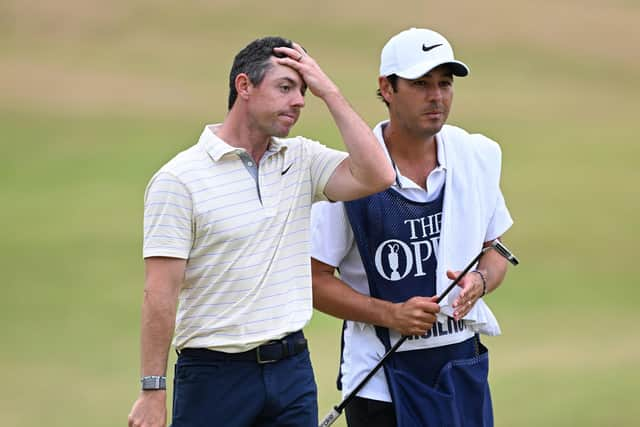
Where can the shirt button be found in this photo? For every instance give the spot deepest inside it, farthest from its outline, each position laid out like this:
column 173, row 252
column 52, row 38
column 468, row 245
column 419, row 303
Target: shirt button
column 249, row 164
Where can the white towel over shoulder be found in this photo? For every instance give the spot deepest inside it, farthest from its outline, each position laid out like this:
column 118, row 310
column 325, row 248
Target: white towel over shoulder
column 472, row 192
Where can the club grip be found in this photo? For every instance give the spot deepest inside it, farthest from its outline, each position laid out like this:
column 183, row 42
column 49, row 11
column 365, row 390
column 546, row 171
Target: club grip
column 330, row 418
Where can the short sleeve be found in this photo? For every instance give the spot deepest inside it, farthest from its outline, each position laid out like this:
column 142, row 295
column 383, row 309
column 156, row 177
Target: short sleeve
column 500, row 221
column 331, row 235
column 168, row 225
column 324, row 161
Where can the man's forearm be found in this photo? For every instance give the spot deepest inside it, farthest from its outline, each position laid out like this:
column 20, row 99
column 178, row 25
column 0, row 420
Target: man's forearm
column 333, row 297
column 163, row 279
column 367, row 165
column 493, row 266
column 157, row 327
column 158, row 322
column 367, row 162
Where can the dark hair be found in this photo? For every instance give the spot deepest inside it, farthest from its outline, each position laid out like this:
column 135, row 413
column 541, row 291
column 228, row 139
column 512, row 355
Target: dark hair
column 393, row 80
column 254, row 61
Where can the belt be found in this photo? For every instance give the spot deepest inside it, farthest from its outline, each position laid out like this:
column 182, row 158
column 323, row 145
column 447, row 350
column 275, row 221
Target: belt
column 269, row 352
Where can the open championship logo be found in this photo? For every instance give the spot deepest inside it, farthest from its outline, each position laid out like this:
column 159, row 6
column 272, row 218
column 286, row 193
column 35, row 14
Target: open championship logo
column 395, row 259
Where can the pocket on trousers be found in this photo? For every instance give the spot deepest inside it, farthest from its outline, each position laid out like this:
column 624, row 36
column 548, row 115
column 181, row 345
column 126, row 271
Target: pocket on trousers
column 304, row 368
column 189, row 373
column 192, row 386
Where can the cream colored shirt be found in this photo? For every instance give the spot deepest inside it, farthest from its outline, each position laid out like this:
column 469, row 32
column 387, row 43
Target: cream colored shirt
column 248, row 276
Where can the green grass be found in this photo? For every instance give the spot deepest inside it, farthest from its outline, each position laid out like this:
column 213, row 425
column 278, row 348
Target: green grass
column 94, row 99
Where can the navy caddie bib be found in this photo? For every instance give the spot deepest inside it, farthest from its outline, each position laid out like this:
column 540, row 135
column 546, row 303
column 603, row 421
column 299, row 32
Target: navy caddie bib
column 398, row 241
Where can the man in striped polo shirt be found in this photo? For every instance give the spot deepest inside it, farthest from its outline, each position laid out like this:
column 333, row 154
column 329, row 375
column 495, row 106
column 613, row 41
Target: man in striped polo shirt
column 226, row 239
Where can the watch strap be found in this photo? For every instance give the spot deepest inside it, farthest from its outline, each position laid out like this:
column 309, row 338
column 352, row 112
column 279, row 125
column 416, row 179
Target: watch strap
column 154, row 382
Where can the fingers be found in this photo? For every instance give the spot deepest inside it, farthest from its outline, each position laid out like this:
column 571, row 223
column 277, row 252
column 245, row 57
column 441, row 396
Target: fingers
column 453, row 275
column 419, row 325
column 462, row 309
column 423, row 305
column 297, row 53
column 301, row 52
column 466, row 299
column 415, row 316
column 315, row 78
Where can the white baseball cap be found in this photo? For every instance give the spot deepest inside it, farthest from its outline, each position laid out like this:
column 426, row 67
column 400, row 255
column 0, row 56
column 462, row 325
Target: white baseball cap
column 414, row 52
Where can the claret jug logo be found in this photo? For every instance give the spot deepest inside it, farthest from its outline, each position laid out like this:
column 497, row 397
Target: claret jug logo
column 396, row 259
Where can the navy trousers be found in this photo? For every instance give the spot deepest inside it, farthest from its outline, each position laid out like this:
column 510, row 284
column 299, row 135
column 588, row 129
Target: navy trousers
column 233, row 393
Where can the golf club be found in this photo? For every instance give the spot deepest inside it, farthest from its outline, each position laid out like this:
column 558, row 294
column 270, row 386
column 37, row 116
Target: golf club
column 337, row 410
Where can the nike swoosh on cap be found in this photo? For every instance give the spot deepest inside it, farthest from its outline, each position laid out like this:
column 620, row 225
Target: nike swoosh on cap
column 428, row 48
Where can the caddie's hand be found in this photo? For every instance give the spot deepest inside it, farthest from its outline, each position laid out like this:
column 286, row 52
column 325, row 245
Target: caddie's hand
column 471, row 292
column 317, row 81
column 150, row 410
column 415, row 316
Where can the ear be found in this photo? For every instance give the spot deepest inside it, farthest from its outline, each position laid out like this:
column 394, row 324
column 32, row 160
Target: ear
column 386, row 89
column 243, row 85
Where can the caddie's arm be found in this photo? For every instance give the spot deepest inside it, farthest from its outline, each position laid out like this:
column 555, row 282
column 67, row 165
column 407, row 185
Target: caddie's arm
column 334, row 297
column 367, row 169
column 493, row 267
column 163, row 279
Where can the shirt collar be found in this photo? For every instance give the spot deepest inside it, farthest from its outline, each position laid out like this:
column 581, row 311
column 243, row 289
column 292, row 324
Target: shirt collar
column 218, row 148
column 377, row 131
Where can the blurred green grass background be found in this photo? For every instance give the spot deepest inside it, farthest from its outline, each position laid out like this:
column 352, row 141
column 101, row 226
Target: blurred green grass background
column 95, row 96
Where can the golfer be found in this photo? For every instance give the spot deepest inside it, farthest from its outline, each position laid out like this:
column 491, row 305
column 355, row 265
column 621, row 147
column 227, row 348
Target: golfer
column 226, row 240
column 397, row 249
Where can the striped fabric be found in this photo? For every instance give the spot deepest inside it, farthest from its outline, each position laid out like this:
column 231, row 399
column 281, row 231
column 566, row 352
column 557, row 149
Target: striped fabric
column 248, row 275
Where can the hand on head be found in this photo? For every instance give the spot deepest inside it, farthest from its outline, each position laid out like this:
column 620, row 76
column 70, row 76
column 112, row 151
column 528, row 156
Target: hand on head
column 316, row 80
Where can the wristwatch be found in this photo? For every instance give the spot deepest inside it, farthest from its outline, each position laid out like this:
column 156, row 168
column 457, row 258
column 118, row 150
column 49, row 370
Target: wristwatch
column 154, row 382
